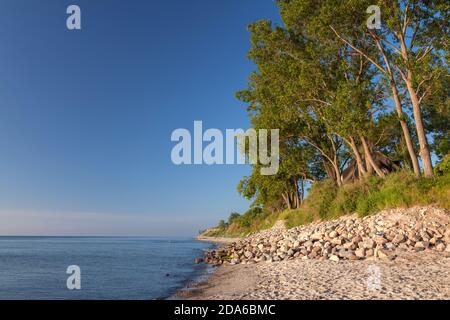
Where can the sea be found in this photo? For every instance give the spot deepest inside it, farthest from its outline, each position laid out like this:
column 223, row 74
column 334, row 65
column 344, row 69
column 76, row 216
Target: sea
column 97, row 268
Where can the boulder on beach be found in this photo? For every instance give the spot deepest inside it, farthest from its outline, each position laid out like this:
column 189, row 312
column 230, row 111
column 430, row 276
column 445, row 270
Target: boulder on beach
column 378, row 236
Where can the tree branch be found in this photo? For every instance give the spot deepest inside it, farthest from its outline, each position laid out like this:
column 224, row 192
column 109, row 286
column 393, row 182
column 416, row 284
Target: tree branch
column 359, row 51
column 427, row 50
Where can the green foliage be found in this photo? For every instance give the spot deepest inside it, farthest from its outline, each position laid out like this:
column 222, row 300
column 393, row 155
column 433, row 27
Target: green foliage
column 369, row 196
column 443, row 168
column 323, row 79
column 222, row 224
column 326, row 201
column 252, row 220
column 233, row 217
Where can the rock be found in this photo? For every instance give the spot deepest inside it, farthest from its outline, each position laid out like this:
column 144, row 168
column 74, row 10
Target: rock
column 347, row 254
column 419, row 246
column 317, row 236
column 399, row 238
column 337, row 241
column 381, row 254
column 316, row 249
column 349, row 245
column 248, row 254
column 369, row 244
column 356, row 239
column 303, row 236
column 379, row 239
column 418, row 226
column 447, row 236
column 308, row 244
column 390, row 246
column 317, row 244
column 333, row 234
column 413, row 237
column 334, row 258
column 198, row 260
column 346, row 238
column 360, row 252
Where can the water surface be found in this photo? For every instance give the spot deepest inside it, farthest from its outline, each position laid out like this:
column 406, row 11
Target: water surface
column 111, row 267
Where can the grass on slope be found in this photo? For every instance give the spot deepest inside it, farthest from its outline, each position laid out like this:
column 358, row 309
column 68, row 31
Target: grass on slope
column 326, row 201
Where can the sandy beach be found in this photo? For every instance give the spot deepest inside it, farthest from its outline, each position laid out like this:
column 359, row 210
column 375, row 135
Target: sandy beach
column 407, row 259
column 422, row 275
column 217, row 240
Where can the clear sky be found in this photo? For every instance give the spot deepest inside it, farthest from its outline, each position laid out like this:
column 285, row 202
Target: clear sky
column 86, row 116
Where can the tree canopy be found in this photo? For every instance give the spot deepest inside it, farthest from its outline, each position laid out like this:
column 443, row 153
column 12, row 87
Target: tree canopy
column 350, row 101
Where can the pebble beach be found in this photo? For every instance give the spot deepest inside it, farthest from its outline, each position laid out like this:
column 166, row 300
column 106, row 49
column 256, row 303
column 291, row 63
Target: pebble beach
column 396, row 254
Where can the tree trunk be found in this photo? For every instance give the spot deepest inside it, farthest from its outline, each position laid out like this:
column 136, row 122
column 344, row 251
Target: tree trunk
column 369, row 167
column 399, row 110
column 423, row 142
column 338, row 174
column 286, row 200
column 291, row 200
column 297, row 194
column 405, row 129
column 302, row 190
column 329, row 169
column 369, row 156
column 361, row 170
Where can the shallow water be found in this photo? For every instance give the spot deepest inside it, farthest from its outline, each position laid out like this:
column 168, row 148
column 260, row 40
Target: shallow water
column 111, row 267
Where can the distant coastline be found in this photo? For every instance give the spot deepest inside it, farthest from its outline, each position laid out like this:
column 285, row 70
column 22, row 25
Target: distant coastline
column 217, row 240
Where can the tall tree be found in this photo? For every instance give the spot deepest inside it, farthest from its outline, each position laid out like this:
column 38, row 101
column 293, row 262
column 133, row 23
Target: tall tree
column 412, row 35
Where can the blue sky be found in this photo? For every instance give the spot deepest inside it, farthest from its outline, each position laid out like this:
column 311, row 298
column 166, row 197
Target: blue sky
column 86, row 116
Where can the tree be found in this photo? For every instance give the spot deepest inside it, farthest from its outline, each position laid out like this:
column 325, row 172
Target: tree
column 345, row 21
column 222, row 224
column 325, row 81
column 233, row 216
column 410, row 46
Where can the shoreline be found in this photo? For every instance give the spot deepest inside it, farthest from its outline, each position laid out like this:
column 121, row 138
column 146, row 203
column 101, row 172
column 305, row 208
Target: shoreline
column 191, row 285
column 395, row 254
column 218, row 240
column 413, row 275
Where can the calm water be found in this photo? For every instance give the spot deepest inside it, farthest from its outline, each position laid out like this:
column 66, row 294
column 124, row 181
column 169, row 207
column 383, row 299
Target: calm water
column 111, row 268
